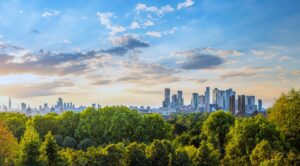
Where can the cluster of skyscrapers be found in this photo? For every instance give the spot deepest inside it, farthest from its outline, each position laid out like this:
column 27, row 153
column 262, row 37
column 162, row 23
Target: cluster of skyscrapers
column 226, row 100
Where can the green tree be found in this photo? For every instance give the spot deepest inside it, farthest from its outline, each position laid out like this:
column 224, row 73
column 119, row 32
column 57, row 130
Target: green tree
column 261, row 152
column 207, row 155
column 45, row 123
column 114, row 154
column 159, row 153
column 285, row 113
column 73, row 157
column 181, row 158
column 68, row 122
column 246, row 134
column 8, row 145
column 50, row 150
column 85, row 144
column 154, row 127
column 30, row 145
column 136, row 155
column 69, row 142
column 215, row 128
column 95, row 156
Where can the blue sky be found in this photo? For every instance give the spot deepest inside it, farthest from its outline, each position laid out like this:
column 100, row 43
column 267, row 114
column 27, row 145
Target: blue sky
column 126, row 52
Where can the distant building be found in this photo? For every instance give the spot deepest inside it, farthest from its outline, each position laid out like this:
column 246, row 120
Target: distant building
column 242, row 104
column 195, row 100
column 260, row 105
column 174, row 103
column 215, row 95
column 180, row 98
column 9, row 103
column 167, row 101
column 23, row 107
column 221, row 99
column 207, row 99
column 232, row 104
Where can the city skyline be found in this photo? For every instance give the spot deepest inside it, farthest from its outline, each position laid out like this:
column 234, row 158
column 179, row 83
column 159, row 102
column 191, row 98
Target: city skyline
column 125, row 53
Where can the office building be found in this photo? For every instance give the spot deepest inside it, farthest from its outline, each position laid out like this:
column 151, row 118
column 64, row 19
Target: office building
column 195, row 100
column 174, row 103
column 260, row 105
column 221, row 99
column 207, row 99
column 242, row 104
column 180, row 98
column 232, row 104
column 215, row 95
column 167, row 101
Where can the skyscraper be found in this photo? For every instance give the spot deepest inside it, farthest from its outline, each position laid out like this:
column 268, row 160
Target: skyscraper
column 250, row 103
column 228, row 93
column 221, row 99
column 180, row 98
column 232, row 104
column 167, row 100
column 195, row 100
column 259, row 105
column 174, row 103
column 9, row 103
column 23, row 106
column 242, row 104
column 207, row 99
column 215, row 95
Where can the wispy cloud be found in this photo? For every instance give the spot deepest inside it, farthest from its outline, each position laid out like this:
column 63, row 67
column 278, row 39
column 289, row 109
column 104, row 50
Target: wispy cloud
column 51, row 13
column 104, row 19
column 154, row 9
column 186, row 4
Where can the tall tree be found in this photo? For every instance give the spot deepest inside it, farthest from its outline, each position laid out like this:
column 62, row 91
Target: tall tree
column 285, row 113
column 8, row 145
column 136, row 155
column 50, row 150
column 159, row 153
column 216, row 127
column 30, row 145
column 207, row 155
column 181, row 158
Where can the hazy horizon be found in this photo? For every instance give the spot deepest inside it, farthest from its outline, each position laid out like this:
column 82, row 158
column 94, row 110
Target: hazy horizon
column 126, row 53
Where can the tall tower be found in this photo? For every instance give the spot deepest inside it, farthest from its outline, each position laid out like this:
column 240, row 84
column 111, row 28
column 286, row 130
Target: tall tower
column 242, row 104
column 232, row 104
column 215, row 95
column 167, row 100
column 180, row 98
column 259, row 105
column 9, row 103
column 207, row 99
column 195, row 100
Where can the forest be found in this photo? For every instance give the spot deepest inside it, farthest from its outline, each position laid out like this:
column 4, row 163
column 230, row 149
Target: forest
column 118, row 136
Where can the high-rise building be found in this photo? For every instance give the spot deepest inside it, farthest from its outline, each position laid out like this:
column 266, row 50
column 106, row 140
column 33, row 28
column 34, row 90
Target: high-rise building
column 259, row 105
column 207, row 99
column 60, row 104
column 221, row 99
column 180, row 98
column 174, row 103
column 242, row 104
column 195, row 100
column 9, row 103
column 232, row 104
column 228, row 93
column 250, row 103
column 167, row 101
column 23, row 106
column 215, row 95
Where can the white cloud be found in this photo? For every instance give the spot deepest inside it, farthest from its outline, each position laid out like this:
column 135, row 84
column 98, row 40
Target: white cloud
column 135, row 25
column 159, row 11
column 171, row 31
column 67, row 41
column 148, row 23
column 51, row 13
column 186, row 4
column 284, row 58
column 154, row 34
column 105, row 20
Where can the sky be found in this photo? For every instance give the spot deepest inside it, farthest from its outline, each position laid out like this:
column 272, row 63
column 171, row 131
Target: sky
column 126, row 52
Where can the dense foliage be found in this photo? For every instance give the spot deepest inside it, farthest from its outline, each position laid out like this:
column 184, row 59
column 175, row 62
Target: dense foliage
column 117, row 136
